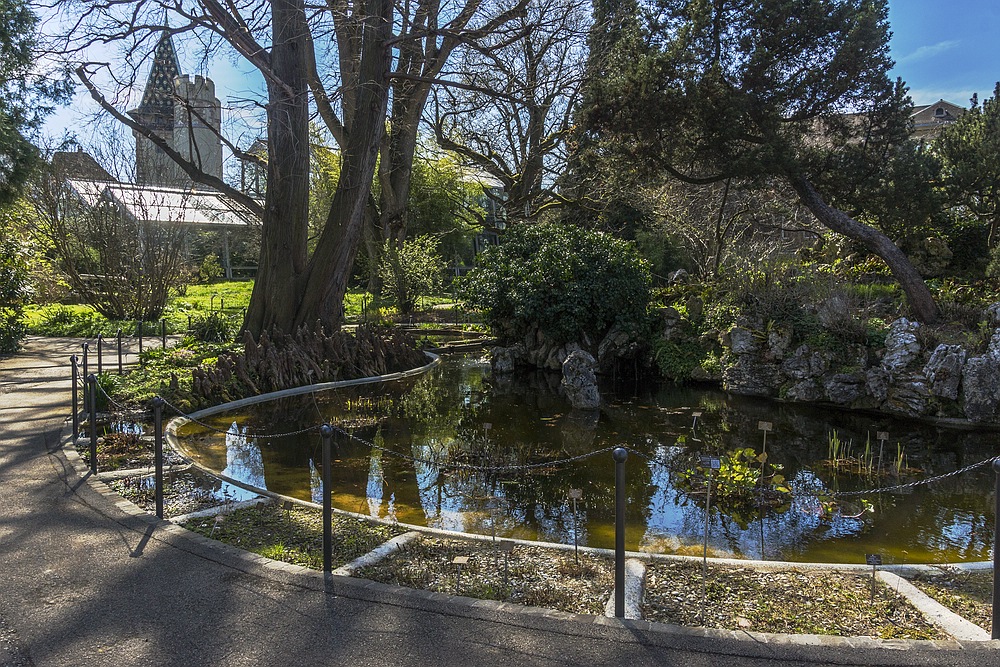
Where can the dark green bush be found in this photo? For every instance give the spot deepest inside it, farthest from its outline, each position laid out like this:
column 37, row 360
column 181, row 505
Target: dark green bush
column 216, row 327
column 570, row 282
column 14, row 291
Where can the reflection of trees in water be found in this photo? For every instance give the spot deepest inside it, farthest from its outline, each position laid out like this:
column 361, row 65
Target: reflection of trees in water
column 442, row 416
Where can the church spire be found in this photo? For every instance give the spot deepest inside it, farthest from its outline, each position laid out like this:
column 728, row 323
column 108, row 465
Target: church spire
column 157, row 107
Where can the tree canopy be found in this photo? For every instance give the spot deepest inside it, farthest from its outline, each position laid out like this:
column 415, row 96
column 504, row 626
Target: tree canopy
column 25, row 95
column 969, row 149
column 754, row 90
column 364, row 66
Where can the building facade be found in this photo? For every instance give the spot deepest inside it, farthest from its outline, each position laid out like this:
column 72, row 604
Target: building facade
column 185, row 113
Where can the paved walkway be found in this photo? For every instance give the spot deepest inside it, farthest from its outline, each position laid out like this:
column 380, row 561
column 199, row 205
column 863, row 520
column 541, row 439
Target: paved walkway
column 85, row 582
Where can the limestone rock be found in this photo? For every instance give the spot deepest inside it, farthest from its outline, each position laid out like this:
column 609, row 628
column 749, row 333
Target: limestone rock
column 944, row 370
column 877, row 382
column 992, row 314
column 677, row 277
column 740, row 341
column 994, row 349
column 505, row 359
column 617, row 344
column 806, row 363
column 909, row 395
column 981, row 388
column 806, row 391
column 580, row 381
column 834, row 311
column 844, row 388
column 695, row 307
column 751, row 377
column 778, row 341
column 901, row 345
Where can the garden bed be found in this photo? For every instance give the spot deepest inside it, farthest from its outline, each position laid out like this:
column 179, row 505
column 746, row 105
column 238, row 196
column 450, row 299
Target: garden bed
column 968, row 594
column 787, row 601
column 525, row 575
column 294, row 535
column 183, row 493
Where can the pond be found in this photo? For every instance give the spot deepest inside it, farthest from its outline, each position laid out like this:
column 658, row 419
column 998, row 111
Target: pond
column 404, row 435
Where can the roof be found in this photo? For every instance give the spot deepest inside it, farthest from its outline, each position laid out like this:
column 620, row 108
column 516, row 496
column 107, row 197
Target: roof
column 158, row 98
column 162, row 204
column 79, row 164
column 929, row 118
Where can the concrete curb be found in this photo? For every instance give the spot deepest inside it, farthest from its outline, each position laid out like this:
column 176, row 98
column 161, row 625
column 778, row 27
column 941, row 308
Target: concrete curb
column 945, row 619
column 217, row 510
column 377, row 554
column 635, row 591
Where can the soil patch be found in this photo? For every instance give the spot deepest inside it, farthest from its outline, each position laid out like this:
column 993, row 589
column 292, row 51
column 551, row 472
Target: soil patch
column 788, row 601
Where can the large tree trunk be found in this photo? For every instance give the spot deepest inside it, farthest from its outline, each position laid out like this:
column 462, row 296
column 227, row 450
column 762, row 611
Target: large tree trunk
column 291, row 288
column 283, row 246
column 876, row 242
column 333, row 260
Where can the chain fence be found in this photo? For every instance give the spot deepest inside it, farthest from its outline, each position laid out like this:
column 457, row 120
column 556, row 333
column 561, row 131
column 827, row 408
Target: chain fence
column 695, row 473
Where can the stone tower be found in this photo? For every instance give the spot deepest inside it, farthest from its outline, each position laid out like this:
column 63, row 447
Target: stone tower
column 182, row 112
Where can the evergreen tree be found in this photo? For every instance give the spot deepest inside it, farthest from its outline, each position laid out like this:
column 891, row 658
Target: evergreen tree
column 25, row 95
column 760, row 89
column 970, row 151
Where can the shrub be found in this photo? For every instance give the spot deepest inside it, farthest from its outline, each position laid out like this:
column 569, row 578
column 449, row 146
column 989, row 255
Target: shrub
column 411, row 271
column 570, row 282
column 216, row 327
column 210, row 269
column 14, row 291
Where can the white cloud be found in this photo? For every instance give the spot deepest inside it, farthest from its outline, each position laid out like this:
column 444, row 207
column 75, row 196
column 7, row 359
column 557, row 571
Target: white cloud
column 929, row 51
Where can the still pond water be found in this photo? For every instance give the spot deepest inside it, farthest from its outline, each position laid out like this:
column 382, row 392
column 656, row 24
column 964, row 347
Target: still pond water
column 458, row 412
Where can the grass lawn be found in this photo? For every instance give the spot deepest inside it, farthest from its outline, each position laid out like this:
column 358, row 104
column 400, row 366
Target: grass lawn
column 232, row 297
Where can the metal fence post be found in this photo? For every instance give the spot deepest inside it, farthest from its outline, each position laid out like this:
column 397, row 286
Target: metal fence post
column 100, row 353
column 158, row 454
column 163, row 334
column 996, row 554
column 120, row 368
column 86, row 374
column 92, row 390
column 620, row 454
column 76, row 401
column 141, row 323
column 327, row 432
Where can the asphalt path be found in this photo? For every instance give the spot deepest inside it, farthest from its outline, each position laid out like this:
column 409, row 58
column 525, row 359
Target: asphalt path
column 84, row 582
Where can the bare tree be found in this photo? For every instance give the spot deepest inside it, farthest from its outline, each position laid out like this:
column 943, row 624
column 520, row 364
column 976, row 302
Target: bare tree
column 720, row 224
column 512, row 117
column 106, row 242
column 367, row 51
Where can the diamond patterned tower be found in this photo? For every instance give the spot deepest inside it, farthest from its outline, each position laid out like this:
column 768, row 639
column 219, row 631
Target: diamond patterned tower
column 186, row 114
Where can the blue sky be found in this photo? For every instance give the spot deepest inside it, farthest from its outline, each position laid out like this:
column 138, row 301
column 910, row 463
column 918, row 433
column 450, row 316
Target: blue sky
column 946, row 49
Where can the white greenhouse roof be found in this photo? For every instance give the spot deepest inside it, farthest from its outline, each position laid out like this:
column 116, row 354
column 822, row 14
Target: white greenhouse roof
column 164, row 204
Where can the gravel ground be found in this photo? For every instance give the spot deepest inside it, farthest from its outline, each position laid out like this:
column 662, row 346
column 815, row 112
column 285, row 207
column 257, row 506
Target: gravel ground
column 183, row 493
column 790, row 601
column 294, row 536
column 968, row 594
column 526, row 575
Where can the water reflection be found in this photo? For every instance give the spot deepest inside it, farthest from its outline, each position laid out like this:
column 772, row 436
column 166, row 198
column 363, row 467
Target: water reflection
column 459, row 413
